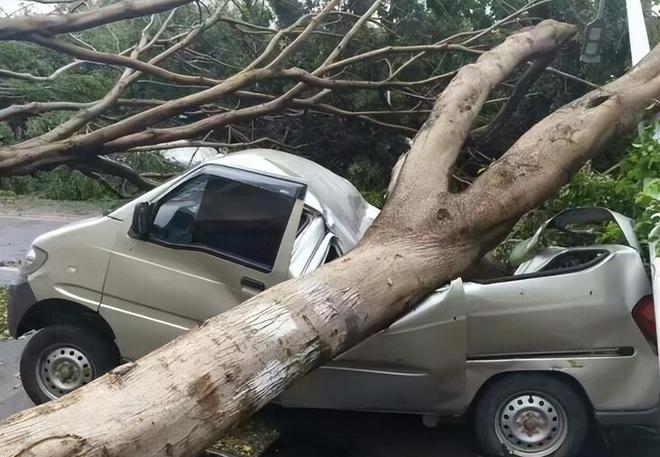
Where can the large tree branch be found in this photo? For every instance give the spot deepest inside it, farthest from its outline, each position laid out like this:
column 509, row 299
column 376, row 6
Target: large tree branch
column 128, row 77
column 553, row 149
column 442, row 137
column 121, row 131
column 197, row 128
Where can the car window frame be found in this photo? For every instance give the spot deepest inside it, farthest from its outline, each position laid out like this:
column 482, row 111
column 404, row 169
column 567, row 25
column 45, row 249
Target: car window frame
column 604, row 256
column 216, row 170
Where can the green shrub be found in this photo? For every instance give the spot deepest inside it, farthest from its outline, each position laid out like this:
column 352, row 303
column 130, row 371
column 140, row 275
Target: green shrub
column 631, row 188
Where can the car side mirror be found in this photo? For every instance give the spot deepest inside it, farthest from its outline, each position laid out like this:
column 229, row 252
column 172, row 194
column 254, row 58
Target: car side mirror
column 141, row 225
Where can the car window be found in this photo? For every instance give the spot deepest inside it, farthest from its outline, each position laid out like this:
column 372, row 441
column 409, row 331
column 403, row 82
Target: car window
column 305, row 219
column 333, row 253
column 174, row 221
column 241, row 221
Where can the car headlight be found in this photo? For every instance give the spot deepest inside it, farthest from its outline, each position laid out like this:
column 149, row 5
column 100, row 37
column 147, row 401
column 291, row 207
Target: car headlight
column 34, row 259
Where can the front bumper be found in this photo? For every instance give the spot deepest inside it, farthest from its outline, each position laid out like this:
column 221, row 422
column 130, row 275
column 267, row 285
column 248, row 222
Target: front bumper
column 21, row 299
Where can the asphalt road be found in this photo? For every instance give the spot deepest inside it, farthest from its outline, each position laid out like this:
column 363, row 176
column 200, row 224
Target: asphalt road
column 12, row 395
column 314, row 433
column 16, row 236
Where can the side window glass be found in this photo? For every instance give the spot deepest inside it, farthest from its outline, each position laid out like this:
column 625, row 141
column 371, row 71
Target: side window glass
column 242, row 219
column 333, row 253
column 175, row 219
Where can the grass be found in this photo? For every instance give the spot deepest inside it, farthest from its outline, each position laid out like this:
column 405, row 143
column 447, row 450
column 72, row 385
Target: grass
column 4, row 296
column 250, row 439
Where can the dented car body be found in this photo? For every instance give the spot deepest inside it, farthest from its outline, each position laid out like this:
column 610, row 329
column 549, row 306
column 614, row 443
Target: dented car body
column 564, row 310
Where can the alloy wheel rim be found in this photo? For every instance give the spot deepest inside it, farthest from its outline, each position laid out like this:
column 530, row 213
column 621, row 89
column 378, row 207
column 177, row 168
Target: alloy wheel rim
column 531, row 424
column 62, row 370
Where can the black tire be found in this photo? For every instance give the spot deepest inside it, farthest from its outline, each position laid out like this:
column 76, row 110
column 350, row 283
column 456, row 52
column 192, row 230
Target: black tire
column 499, row 396
column 100, row 351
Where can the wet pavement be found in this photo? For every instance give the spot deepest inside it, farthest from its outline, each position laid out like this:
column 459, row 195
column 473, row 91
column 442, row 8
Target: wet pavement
column 16, row 236
column 314, row 433
column 12, row 396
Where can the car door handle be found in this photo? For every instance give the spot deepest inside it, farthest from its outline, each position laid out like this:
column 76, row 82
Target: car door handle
column 252, row 285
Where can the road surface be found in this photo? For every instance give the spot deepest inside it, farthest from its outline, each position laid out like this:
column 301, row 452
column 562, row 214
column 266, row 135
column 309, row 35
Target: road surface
column 12, row 396
column 16, row 236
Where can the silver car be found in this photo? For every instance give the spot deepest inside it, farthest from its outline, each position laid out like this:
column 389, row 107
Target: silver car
column 531, row 358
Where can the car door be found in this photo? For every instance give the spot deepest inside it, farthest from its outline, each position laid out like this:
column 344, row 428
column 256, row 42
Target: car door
column 216, row 239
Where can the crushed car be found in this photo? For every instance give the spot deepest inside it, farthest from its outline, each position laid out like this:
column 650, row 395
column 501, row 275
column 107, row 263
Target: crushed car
column 532, row 358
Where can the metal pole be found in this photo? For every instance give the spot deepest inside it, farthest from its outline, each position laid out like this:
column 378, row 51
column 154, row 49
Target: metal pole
column 639, row 39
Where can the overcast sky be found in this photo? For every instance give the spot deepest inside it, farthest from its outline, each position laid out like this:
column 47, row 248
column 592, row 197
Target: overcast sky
column 10, row 6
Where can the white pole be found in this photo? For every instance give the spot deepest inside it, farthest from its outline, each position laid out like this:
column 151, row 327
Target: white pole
column 639, row 39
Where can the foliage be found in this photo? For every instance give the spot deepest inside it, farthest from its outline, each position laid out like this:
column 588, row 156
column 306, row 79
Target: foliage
column 65, row 184
column 632, row 188
column 59, row 184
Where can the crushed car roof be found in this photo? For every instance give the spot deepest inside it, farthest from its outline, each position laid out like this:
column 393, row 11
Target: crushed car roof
column 347, row 214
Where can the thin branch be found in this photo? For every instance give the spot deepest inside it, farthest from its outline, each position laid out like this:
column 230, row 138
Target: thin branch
column 573, row 77
column 51, row 77
column 506, row 19
column 443, row 47
column 270, row 48
column 104, row 165
column 207, row 144
column 115, row 59
column 104, row 182
column 35, row 108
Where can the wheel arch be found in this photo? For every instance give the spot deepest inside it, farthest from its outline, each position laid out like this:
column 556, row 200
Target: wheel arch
column 62, row 312
column 552, row 373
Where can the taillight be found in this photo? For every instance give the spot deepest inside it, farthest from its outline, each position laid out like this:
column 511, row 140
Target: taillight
column 644, row 315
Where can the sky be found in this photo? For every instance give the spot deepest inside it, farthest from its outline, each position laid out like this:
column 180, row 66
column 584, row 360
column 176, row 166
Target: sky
column 10, row 6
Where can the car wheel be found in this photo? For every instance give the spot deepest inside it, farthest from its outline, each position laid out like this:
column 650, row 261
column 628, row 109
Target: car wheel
column 59, row 359
column 531, row 415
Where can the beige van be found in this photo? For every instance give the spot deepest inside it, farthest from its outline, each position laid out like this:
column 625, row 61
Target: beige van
column 568, row 336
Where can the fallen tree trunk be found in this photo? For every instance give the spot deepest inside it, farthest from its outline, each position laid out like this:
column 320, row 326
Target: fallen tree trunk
column 179, row 399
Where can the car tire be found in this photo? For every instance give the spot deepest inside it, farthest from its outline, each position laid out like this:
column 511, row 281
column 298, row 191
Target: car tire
column 531, row 414
column 60, row 358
